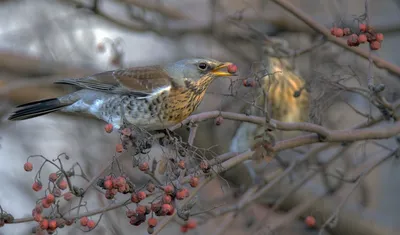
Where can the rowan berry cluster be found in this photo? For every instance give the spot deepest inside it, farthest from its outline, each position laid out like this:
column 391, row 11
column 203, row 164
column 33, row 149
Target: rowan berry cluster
column 165, row 206
column 162, row 207
column 114, row 185
column 45, row 212
column 365, row 34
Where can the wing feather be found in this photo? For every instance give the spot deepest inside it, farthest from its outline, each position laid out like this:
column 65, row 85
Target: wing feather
column 137, row 80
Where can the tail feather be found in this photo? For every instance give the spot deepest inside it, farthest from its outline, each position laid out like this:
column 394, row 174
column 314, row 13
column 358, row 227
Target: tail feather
column 37, row 108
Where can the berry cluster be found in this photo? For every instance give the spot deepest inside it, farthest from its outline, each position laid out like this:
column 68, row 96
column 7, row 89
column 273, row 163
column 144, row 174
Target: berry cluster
column 56, row 185
column 45, row 212
column 365, row 34
column 162, row 207
column 114, row 185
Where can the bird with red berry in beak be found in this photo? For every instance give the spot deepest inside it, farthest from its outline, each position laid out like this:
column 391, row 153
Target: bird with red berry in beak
column 150, row 97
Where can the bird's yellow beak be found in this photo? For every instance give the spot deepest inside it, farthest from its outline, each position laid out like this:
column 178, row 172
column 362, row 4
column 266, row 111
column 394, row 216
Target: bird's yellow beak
column 229, row 72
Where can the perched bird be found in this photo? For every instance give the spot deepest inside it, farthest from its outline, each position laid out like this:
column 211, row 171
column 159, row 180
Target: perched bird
column 150, row 97
column 288, row 100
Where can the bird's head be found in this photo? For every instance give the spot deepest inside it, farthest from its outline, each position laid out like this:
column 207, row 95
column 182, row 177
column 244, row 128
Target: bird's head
column 196, row 68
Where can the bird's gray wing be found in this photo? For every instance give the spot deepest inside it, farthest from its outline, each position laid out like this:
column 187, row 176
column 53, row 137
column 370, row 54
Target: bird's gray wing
column 135, row 80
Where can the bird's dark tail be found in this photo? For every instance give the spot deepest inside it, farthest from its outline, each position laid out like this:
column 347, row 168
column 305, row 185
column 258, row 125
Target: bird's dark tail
column 37, row 108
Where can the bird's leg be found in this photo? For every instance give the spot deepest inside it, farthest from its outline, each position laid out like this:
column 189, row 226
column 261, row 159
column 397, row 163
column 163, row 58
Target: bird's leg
column 170, row 137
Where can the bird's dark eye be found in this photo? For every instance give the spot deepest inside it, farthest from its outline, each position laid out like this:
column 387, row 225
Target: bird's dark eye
column 203, row 66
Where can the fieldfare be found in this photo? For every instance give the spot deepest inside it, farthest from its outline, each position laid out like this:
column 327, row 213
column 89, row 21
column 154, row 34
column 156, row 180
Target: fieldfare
column 150, row 97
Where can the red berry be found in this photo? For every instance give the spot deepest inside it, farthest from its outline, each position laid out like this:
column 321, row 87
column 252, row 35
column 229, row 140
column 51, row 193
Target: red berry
column 167, row 199
column 152, row 222
column 184, row 229
column 362, row 38
column 50, row 198
column 151, row 187
column 53, row 177
column 169, row 189
column 130, row 213
column 56, row 192
column 232, row 69
column 38, row 217
column 126, row 132
column 84, row 221
column 38, row 209
column 140, row 210
column 310, row 221
column 69, row 222
column 119, row 148
column 181, row 194
column 91, row 224
column 219, row 120
column 135, row 198
column 379, row 37
column 28, row 166
column 122, row 188
column 353, row 40
column 333, row 29
column 108, row 184
column 68, row 196
column 181, row 164
column 52, row 224
column 119, row 181
column 45, row 203
column 375, row 45
column 37, row 186
column 346, row 31
column 155, row 207
column 141, row 195
column 204, row 165
column 194, row 181
column 363, row 27
column 144, row 166
column 167, row 208
column 63, row 184
column 44, row 224
column 191, row 224
column 108, row 128
column 339, row 32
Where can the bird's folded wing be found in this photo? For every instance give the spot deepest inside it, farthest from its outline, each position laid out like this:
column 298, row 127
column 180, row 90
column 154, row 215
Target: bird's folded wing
column 135, row 80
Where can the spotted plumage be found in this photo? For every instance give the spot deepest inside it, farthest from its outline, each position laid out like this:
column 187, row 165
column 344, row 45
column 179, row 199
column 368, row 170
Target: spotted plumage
column 152, row 97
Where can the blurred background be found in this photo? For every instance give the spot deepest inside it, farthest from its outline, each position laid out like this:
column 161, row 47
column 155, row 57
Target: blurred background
column 42, row 41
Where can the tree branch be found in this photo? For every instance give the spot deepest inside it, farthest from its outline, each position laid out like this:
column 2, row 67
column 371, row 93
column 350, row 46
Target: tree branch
column 379, row 62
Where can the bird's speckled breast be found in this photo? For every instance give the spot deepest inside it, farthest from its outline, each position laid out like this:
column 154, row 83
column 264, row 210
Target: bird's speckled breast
column 160, row 110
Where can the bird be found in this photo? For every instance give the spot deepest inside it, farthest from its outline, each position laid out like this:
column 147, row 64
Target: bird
column 152, row 97
column 288, row 99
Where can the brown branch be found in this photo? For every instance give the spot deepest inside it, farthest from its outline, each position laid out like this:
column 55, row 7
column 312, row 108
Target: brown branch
column 379, row 62
column 321, row 134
